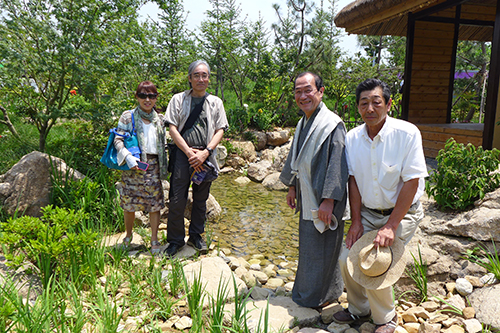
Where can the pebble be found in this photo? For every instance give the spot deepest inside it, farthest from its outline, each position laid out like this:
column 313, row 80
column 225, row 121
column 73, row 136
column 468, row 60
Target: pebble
column 463, row 287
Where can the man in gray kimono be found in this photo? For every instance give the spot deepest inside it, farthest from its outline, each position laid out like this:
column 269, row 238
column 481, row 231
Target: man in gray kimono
column 316, row 173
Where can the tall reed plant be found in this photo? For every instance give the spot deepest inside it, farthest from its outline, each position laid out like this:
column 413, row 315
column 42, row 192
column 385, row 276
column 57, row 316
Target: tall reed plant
column 95, row 195
column 195, row 294
column 418, row 273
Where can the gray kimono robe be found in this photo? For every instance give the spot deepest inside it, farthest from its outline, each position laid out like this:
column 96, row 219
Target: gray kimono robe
column 318, row 278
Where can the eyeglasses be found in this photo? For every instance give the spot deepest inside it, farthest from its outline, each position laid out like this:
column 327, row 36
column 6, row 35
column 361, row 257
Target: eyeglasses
column 144, row 96
column 197, row 76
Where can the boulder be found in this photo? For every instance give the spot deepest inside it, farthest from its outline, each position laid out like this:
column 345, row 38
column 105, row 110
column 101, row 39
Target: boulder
column 283, row 313
column 236, row 162
column 212, row 271
column 221, row 155
column 259, row 140
column 277, row 156
column 273, row 182
column 485, row 303
column 258, row 171
column 277, row 138
column 247, row 150
column 26, row 187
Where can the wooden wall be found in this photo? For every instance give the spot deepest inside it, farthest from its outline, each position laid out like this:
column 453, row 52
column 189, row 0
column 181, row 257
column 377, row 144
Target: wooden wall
column 431, row 66
column 434, row 136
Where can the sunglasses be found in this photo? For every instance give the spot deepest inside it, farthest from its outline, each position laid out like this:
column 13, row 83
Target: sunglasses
column 144, row 96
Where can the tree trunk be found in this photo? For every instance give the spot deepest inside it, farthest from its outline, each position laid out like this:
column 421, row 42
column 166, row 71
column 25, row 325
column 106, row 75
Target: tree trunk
column 6, row 121
column 42, row 138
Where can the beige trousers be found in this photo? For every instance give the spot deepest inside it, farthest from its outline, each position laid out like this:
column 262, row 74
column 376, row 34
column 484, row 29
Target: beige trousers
column 379, row 302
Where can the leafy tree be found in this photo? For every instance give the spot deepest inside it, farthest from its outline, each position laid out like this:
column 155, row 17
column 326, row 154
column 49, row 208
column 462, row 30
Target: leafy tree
column 172, row 43
column 53, row 48
column 471, row 93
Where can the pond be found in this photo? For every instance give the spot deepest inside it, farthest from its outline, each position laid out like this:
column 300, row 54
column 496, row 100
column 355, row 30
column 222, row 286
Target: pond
column 254, row 220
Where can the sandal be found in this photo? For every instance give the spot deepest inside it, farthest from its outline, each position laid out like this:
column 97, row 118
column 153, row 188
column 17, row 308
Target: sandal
column 157, row 249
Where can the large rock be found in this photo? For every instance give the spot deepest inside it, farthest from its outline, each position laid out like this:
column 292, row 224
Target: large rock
column 259, row 140
column 277, row 156
column 214, row 271
column 485, row 303
column 277, row 138
column 273, row 182
column 283, row 313
column 258, row 171
column 221, row 156
column 26, row 186
column 247, row 150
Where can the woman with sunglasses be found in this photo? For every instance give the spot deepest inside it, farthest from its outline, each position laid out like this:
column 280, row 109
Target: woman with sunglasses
column 141, row 188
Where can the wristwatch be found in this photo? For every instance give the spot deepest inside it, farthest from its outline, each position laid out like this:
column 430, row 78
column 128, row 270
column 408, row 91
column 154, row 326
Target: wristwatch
column 210, row 151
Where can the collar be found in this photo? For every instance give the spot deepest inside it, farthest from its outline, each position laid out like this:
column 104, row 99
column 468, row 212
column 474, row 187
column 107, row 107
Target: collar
column 382, row 134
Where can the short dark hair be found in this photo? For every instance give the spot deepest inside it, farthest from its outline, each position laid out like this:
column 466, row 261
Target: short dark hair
column 318, row 81
column 147, row 86
column 370, row 84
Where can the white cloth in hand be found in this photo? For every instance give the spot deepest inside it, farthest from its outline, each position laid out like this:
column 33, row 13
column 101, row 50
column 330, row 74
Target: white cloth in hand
column 131, row 160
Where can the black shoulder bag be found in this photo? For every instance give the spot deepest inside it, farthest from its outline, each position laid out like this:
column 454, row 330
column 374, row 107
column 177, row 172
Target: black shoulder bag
column 193, row 116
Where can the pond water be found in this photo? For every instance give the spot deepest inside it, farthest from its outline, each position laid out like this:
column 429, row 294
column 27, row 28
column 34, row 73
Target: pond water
column 254, row 220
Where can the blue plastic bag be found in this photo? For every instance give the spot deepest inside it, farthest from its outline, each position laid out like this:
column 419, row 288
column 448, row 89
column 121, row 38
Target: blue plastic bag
column 109, row 158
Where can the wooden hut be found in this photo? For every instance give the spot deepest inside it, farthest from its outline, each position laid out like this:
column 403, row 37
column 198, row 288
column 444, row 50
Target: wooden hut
column 433, row 29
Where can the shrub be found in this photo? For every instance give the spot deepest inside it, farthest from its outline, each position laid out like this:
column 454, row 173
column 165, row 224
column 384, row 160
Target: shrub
column 463, row 175
column 52, row 243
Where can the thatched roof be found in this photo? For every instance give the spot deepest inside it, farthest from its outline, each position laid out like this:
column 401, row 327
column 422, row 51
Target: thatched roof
column 390, row 17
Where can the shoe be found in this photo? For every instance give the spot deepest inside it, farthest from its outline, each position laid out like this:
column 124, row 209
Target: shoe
column 345, row 317
column 157, row 249
column 171, row 250
column 389, row 327
column 198, row 243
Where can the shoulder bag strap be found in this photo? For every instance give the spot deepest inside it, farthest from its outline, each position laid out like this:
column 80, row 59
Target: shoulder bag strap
column 193, row 116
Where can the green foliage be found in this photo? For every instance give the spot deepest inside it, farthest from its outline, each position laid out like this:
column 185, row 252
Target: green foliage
column 231, row 149
column 489, row 260
column 464, row 174
column 52, row 243
column 418, row 273
column 96, row 197
column 49, row 48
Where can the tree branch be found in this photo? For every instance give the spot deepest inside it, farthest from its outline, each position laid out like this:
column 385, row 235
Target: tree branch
column 6, row 121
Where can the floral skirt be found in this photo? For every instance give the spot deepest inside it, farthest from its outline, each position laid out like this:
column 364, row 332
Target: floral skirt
column 142, row 190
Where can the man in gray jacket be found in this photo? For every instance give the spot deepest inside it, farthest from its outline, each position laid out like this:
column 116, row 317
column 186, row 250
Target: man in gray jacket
column 316, row 173
column 194, row 146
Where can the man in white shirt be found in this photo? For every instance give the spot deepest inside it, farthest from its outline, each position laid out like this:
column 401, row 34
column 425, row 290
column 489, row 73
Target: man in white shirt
column 386, row 179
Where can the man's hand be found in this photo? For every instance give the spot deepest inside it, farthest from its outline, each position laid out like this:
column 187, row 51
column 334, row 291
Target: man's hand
column 355, row 232
column 385, row 236
column 325, row 211
column 290, row 197
column 197, row 157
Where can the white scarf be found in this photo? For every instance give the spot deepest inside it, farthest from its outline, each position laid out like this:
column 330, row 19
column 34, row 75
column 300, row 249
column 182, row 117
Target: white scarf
column 323, row 125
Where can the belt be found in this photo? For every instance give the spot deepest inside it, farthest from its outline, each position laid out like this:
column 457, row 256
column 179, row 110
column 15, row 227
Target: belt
column 384, row 212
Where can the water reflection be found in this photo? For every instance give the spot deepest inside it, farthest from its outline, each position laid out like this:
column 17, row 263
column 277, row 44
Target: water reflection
column 255, row 220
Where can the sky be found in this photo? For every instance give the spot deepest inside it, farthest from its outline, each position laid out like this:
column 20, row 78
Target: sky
column 251, row 8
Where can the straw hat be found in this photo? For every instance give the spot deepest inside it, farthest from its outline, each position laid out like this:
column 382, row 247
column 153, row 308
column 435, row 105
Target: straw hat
column 376, row 268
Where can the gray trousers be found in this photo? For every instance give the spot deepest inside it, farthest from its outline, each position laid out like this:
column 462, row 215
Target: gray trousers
column 318, row 279
column 379, row 302
column 179, row 187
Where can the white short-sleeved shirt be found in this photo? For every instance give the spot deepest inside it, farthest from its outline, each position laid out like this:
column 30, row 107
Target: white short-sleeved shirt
column 382, row 165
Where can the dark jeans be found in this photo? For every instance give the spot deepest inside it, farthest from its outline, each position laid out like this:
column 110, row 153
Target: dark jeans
column 179, row 187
